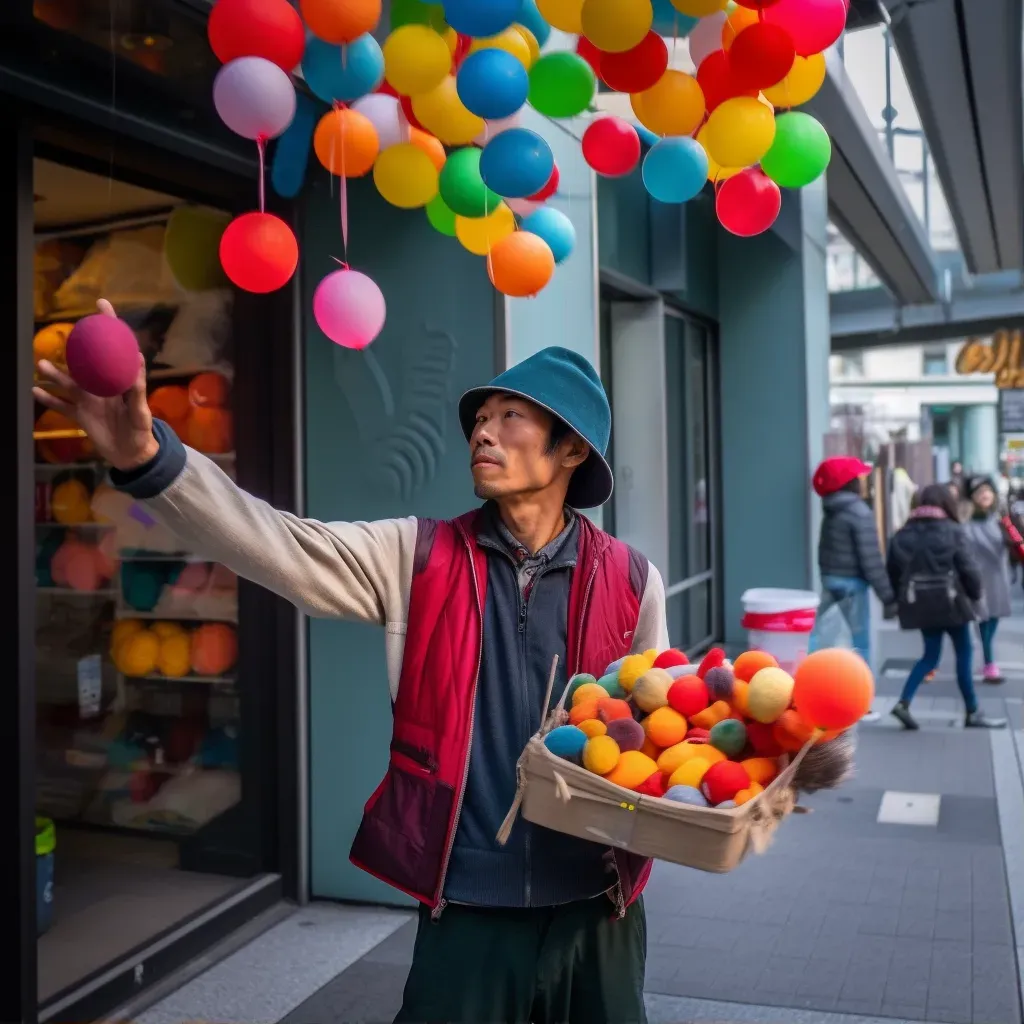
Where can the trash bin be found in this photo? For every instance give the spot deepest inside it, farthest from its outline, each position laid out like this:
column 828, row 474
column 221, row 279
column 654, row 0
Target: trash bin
column 46, row 843
column 780, row 622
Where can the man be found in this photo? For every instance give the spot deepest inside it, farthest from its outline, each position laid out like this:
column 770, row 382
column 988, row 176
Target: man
column 547, row 927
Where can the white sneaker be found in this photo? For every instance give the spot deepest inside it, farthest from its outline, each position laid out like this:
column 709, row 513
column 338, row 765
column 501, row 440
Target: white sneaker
column 871, row 716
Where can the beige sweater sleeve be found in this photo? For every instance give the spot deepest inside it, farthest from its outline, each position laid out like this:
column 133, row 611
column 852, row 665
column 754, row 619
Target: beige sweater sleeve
column 652, row 625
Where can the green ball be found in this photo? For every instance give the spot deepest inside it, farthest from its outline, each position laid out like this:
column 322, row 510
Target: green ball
column 462, row 188
column 800, row 153
column 611, row 683
column 730, row 737
column 562, row 84
column 441, row 217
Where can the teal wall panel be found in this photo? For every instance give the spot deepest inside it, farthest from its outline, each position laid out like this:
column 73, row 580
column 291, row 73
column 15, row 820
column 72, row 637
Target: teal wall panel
column 623, row 229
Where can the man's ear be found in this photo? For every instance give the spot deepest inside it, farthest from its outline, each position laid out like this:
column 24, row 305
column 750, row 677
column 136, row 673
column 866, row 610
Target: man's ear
column 577, row 453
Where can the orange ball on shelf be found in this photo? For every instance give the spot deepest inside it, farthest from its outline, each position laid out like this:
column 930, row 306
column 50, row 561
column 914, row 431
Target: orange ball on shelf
column 214, row 649
column 209, row 389
column 211, row 430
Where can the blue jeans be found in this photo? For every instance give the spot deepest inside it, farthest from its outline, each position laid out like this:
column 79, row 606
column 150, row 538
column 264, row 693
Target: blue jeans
column 987, row 629
column 961, row 637
column 853, row 600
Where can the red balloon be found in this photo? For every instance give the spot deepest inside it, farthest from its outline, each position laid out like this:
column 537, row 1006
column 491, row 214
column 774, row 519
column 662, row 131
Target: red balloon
column 258, row 252
column 813, row 25
column 748, row 203
column 717, row 81
column 462, row 45
column 638, row 69
column 756, row 5
column 406, row 102
column 762, row 55
column 591, row 54
column 611, row 146
column 549, row 189
column 257, row 28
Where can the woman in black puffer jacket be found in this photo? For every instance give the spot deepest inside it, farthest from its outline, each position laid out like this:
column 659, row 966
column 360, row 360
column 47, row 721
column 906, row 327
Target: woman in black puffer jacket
column 936, row 581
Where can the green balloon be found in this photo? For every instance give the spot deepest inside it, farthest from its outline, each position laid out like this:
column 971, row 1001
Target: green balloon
column 462, row 188
column 192, row 247
column 415, row 12
column 441, row 218
column 800, row 153
column 562, row 84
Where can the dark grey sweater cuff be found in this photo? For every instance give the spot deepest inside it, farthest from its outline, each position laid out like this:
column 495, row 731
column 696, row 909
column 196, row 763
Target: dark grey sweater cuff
column 159, row 473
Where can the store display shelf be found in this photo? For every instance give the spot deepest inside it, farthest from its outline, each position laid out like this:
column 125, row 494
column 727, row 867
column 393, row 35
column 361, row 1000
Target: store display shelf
column 169, row 616
column 54, row 525
column 67, row 467
column 228, row 680
column 69, row 316
column 109, row 828
column 176, row 372
column 107, row 595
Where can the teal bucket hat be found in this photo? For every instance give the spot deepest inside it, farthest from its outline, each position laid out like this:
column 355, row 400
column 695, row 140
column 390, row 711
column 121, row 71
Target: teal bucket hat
column 564, row 383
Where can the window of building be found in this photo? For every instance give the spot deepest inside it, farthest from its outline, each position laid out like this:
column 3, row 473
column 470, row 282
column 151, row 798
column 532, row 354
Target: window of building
column 934, row 362
column 851, row 364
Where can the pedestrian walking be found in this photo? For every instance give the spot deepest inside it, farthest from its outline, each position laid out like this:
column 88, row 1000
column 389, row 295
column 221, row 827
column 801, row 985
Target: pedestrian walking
column 937, row 581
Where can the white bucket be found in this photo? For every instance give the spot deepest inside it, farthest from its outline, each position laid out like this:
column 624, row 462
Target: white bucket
column 780, row 622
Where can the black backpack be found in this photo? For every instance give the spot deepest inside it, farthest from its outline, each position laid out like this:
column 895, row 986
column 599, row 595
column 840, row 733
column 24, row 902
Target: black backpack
column 931, row 595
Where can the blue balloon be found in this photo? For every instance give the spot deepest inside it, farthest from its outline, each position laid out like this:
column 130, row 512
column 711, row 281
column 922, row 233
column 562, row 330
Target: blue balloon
column 670, row 22
column 343, row 72
column 675, row 169
column 647, row 137
column 517, row 163
column 481, row 17
column 492, row 83
column 555, row 228
column 531, row 18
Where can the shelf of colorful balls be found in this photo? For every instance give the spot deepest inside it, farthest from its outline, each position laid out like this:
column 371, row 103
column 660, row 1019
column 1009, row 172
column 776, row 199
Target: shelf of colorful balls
column 167, row 649
column 107, row 595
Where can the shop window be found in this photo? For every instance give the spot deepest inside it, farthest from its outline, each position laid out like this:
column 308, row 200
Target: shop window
column 934, row 362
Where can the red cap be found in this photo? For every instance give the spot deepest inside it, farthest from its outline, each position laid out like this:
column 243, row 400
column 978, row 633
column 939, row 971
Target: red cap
column 835, row 473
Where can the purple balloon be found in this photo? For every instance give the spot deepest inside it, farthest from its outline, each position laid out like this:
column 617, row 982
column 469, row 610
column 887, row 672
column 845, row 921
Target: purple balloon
column 254, row 97
column 349, row 308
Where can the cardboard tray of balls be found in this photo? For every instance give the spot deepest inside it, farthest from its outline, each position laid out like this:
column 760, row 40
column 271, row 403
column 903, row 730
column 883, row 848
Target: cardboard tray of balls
column 694, row 764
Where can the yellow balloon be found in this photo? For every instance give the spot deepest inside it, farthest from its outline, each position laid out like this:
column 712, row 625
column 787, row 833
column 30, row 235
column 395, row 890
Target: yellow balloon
column 801, row 84
column 511, row 41
column 405, row 176
column 740, row 132
column 480, row 234
column 615, row 26
column 715, row 172
column 451, row 40
column 738, row 19
column 443, row 114
column 564, row 15
column 674, row 105
column 416, row 59
column 699, row 8
column 531, row 43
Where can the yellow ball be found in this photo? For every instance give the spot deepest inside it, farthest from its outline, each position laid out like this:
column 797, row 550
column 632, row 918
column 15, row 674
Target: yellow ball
column 174, row 658
column 674, row 105
column 675, row 757
column 167, row 629
column 740, row 131
column 416, row 59
column 443, row 114
column 631, row 670
column 744, row 796
column 511, row 41
column 650, row 691
column 123, row 628
column 715, row 173
column 600, row 755
column 691, row 773
column 592, row 727
column 531, row 44
column 698, row 8
column 634, row 769
column 137, row 654
column 615, row 26
column 588, row 691
column 565, row 15
column 651, row 656
column 405, row 176
column 769, row 694
column 69, row 502
column 480, row 234
column 802, row 83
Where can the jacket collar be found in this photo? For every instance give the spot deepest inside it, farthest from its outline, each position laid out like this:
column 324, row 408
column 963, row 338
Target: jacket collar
column 492, row 533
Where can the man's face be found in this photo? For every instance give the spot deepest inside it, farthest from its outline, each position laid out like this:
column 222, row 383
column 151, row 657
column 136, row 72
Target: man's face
column 509, row 449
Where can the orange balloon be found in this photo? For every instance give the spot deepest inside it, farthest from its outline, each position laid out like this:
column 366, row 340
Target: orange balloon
column 521, row 264
column 208, row 389
column 431, row 146
column 748, row 664
column 741, row 18
column 833, row 689
column 346, row 143
column 340, row 21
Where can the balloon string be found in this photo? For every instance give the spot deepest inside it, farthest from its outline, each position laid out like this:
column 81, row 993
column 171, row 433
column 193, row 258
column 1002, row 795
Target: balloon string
column 261, row 147
column 344, row 186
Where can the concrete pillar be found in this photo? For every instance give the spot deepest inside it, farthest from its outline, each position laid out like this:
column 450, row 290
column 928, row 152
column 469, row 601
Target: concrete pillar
column 980, row 439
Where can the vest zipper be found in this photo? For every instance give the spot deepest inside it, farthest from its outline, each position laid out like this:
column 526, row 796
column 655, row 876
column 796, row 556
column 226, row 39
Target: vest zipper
column 442, row 903
column 583, row 618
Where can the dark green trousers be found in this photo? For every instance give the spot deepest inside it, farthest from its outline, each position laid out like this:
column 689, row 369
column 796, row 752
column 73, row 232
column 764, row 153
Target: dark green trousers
column 573, row 964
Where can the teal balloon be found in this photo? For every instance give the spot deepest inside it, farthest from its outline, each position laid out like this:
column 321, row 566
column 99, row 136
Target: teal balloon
column 343, row 73
column 461, row 186
column 800, row 153
column 675, row 169
column 670, row 22
column 531, row 18
column 556, row 229
column 562, row 84
column 441, row 218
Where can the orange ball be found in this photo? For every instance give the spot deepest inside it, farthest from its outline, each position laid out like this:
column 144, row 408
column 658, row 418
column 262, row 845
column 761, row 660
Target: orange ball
column 675, row 757
column 744, row 796
column 740, row 690
column 521, row 264
column 634, row 769
column 592, row 727
column 340, row 21
column 346, row 143
column 611, row 708
column 170, row 403
column 718, row 712
column 210, row 430
column 748, row 664
column 582, row 712
column 665, row 727
column 431, row 146
column 761, row 769
column 208, row 389
column 652, row 750
column 214, row 649
column 833, row 689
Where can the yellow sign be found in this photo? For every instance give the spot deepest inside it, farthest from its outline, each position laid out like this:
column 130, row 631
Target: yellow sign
column 1001, row 356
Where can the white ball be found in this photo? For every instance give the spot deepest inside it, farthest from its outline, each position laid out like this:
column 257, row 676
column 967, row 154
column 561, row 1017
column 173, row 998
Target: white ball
column 386, row 114
column 254, row 97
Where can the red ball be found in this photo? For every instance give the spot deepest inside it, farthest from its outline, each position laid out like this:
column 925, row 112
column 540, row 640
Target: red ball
column 407, row 111
column 762, row 738
column 611, row 146
column 271, row 29
column 718, row 82
column 102, row 355
column 670, row 658
column 723, row 780
column 656, row 785
column 638, row 69
column 698, row 735
column 591, row 54
column 258, row 252
column 813, row 25
column 549, row 189
column 688, row 695
column 756, row 5
column 833, row 689
column 715, row 658
column 761, row 56
column 748, row 203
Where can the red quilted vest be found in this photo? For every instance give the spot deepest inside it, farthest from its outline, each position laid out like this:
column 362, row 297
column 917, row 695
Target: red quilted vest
column 409, row 822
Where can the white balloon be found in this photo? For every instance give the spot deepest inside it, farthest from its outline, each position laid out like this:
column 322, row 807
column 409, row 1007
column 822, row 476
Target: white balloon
column 496, row 127
column 706, row 37
column 523, row 207
column 386, row 114
column 254, row 97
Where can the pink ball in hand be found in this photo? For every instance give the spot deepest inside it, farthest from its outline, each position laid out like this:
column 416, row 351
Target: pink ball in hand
column 103, row 355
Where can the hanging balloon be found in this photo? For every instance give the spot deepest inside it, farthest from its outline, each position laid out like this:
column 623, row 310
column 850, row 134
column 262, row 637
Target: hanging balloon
column 426, row 142
column 480, row 234
column 191, row 243
column 441, row 112
column 548, row 190
column 521, row 265
column 462, row 188
column 565, row 15
column 258, row 252
column 670, row 22
column 591, row 54
column 716, row 173
column 492, row 83
column 407, row 112
column 718, row 82
column 340, row 21
column 533, row 21
column 532, row 44
column 800, row 153
column 405, row 176
column 492, row 128
column 512, row 41
column 561, row 85
column 385, row 114
column 748, row 203
column 346, row 143
column 554, row 228
column 801, row 84
column 755, row 5
column 675, row 170
column 481, row 17
column 416, row 59
column 415, row 12
column 611, row 146
column 813, row 25
column 343, row 73
column 523, row 207
column 517, row 163
column 271, row 29
column 740, row 132
column 737, row 19
column 441, row 218
column 673, row 106
column 698, row 8
column 706, row 37
column 349, row 308
column 637, row 69
column 615, row 26
column 762, row 56
column 254, row 97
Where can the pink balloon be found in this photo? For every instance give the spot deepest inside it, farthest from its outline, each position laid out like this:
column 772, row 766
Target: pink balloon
column 748, row 203
column 496, row 127
column 254, row 97
column 706, row 37
column 349, row 308
column 102, row 355
column 523, row 207
column 813, row 25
